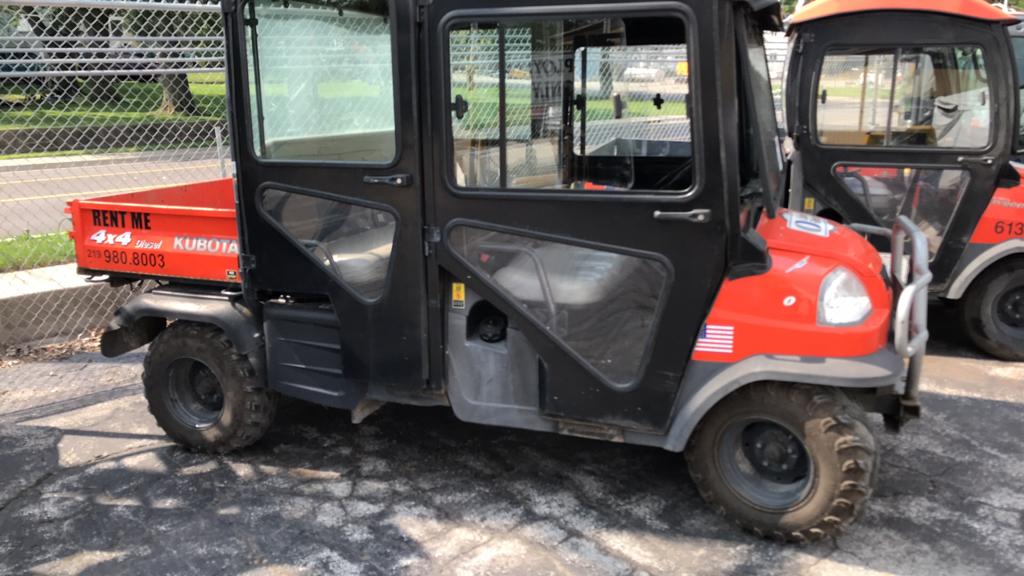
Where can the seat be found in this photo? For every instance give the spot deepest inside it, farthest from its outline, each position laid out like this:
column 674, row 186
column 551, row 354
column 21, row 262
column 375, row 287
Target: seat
column 577, row 276
column 361, row 259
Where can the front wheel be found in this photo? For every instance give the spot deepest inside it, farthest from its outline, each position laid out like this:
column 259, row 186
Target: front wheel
column 785, row 461
column 204, row 393
column 993, row 311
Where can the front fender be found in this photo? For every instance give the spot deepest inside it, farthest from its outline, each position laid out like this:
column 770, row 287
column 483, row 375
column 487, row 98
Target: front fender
column 976, row 259
column 707, row 383
column 140, row 319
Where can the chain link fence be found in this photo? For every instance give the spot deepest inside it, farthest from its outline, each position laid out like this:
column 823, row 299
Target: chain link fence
column 96, row 98
column 109, row 96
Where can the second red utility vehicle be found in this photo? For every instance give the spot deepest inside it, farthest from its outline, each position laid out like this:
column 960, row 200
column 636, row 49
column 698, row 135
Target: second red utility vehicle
column 906, row 108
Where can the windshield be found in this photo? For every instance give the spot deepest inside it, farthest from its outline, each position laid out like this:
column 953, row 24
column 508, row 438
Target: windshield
column 763, row 148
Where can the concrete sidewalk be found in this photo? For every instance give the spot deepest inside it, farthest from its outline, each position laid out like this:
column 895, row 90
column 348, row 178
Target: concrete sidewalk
column 53, row 301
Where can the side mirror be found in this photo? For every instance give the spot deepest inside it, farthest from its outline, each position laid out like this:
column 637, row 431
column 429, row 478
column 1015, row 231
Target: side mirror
column 618, row 106
column 460, row 107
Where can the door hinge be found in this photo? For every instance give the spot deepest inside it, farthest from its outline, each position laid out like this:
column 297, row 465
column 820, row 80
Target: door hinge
column 246, row 262
column 431, row 236
column 421, row 10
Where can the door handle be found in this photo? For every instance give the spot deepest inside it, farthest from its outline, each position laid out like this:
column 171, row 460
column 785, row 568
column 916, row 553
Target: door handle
column 398, row 180
column 983, row 160
column 696, row 216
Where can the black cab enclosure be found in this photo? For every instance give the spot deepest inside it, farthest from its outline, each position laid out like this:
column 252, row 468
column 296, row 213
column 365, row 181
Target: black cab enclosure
column 546, row 181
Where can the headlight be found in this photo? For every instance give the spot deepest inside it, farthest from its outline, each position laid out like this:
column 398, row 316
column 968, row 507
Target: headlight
column 842, row 300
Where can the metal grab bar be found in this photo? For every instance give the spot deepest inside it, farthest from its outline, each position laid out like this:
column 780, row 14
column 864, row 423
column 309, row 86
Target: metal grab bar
column 910, row 325
column 910, row 318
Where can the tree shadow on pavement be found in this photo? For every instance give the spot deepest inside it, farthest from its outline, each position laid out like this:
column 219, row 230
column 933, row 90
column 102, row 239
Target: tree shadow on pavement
column 415, row 491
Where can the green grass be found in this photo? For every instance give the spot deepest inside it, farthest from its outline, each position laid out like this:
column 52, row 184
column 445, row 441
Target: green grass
column 483, row 107
column 28, row 251
column 139, row 102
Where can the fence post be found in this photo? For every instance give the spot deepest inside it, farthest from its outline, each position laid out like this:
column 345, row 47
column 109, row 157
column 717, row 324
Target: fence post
column 220, row 151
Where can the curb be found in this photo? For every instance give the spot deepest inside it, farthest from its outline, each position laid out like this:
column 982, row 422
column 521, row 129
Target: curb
column 49, row 162
column 51, row 302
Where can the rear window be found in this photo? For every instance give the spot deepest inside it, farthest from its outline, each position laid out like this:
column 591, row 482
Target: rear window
column 933, row 96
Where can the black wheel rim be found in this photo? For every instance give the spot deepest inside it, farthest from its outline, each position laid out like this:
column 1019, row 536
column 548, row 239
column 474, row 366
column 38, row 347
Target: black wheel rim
column 1010, row 309
column 194, row 393
column 765, row 463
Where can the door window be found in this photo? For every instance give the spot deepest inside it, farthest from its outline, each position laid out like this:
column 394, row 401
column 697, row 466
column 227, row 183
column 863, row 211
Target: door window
column 321, row 81
column 352, row 242
column 934, row 96
column 1018, row 56
column 571, row 104
column 602, row 305
column 928, row 196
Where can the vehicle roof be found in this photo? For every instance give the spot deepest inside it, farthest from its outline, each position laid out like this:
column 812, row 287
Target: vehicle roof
column 973, row 9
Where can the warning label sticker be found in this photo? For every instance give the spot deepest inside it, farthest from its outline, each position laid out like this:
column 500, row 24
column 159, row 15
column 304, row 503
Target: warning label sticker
column 458, row 296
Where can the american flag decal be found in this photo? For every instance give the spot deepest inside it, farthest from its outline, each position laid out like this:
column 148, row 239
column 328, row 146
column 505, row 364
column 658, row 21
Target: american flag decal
column 715, row 339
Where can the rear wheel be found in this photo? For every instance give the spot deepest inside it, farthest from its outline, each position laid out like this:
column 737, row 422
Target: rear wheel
column 993, row 311
column 785, row 461
column 204, row 393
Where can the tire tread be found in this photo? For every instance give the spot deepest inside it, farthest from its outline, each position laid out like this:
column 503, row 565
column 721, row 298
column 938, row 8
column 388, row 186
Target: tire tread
column 260, row 403
column 841, row 419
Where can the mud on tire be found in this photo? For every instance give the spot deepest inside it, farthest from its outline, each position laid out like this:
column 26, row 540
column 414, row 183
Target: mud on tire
column 203, row 393
column 838, row 453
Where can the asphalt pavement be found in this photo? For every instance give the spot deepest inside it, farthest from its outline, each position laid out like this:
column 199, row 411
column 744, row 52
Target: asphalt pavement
column 89, row 485
column 33, row 194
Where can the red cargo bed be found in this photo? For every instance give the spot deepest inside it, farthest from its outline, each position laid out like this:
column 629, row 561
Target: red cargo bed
column 180, row 232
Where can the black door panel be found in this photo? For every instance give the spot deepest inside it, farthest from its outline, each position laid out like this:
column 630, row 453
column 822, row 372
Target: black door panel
column 332, row 97
column 564, row 130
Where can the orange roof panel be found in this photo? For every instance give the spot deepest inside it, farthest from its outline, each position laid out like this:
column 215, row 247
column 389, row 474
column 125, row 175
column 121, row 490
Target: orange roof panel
column 974, row 9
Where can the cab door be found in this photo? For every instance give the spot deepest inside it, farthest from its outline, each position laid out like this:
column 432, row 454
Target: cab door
column 897, row 115
column 577, row 188
column 324, row 109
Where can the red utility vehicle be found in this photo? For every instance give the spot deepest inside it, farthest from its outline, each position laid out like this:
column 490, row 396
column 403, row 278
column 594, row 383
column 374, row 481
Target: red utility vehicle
column 524, row 232
column 901, row 107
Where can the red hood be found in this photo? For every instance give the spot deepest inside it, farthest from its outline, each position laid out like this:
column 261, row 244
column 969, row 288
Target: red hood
column 805, row 234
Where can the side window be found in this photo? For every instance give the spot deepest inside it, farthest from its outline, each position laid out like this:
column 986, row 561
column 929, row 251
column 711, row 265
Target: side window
column 350, row 241
column 1018, row 55
column 928, row 96
column 602, row 305
column 928, row 196
column 571, row 104
column 321, row 82
column 632, row 93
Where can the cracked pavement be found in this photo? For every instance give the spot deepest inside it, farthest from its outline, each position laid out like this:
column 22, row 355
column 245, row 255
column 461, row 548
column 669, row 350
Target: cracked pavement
column 89, row 485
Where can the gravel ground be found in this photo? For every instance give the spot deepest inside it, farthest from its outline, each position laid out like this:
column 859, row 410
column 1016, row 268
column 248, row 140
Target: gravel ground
column 89, row 485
